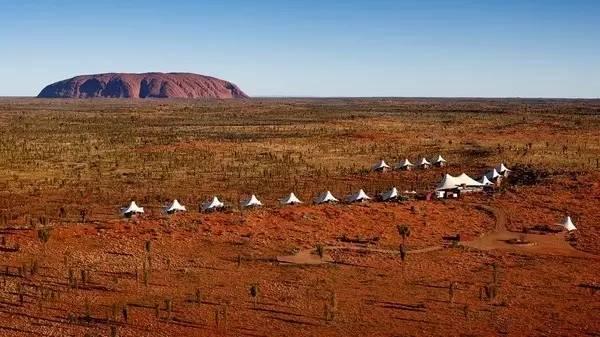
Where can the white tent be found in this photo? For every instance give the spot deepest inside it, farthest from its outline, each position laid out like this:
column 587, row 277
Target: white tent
column 440, row 161
column 492, row 175
column 175, row 207
column 485, row 181
column 358, row 196
column 568, row 224
column 503, row 170
column 214, row 204
column 381, row 166
column 252, row 202
column 290, row 200
column 424, row 163
column 405, row 165
column 448, row 183
column 133, row 209
column 465, row 180
column 326, row 198
column 462, row 182
column 390, row 195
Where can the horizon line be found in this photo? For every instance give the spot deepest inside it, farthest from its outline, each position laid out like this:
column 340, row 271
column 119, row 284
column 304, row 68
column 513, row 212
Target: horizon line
column 318, row 97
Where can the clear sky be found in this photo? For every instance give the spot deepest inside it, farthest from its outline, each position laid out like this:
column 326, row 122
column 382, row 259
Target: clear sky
column 312, row 47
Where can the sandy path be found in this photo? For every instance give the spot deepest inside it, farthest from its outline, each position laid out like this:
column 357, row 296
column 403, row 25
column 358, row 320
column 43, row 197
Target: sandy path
column 552, row 244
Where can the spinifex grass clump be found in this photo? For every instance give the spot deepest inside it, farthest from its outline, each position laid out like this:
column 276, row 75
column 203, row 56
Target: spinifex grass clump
column 320, row 249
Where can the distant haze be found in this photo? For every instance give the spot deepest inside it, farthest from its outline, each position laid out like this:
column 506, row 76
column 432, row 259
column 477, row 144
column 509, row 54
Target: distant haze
column 313, row 48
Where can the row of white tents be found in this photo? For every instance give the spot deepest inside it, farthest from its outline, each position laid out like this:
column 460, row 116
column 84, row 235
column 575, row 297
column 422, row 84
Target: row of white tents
column 447, row 186
column 253, row 201
column 291, row 199
column 407, row 165
column 462, row 182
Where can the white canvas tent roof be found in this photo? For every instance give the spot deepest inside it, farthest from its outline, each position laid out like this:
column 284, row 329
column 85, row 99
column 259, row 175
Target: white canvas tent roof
column 291, row 199
column 389, row 195
column 424, row 162
column 381, row 165
column 568, row 224
column 175, row 207
column 464, row 179
column 492, row 175
column 358, row 196
column 440, row 159
column 252, row 202
column 501, row 168
column 133, row 208
column 485, row 181
column 450, row 182
column 215, row 203
column 326, row 197
column 405, row 163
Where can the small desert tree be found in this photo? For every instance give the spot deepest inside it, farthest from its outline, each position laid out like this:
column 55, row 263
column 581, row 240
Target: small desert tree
column 403, row 255
column 451, row 291
column 125, row 313
column 198, row 296
column 43, row 235
column 83, row 215
column 404, row 232
column 403, row 252
column 169, row 308
column 254, row 293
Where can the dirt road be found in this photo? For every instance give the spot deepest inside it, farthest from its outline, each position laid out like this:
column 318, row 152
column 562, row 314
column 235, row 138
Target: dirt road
column 549, row 244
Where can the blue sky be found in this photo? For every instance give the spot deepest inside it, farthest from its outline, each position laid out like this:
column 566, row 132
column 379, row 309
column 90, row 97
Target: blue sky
column 313, row 48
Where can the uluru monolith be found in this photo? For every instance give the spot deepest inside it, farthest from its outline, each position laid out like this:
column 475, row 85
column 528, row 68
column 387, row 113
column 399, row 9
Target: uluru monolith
column 146, row 85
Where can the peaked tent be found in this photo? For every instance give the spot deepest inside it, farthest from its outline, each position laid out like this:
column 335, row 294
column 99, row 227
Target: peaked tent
column 405, row 165
column 492, row 175
column 133, row 209
column 175, row 207
column 462, row 182
column 568, row 224
column 465, row 180
column 390, row 195
column 358, row 197
column 252, row 202
column 214, row 204
column 448, row 183
column 326, row 197
column 424, row 163
column 381, row 166
column 440, row 161
column 485, row 181
column 290, row 200
column 502, row 170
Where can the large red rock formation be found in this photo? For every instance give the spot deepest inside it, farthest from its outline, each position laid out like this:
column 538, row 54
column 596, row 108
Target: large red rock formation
column 148, row 85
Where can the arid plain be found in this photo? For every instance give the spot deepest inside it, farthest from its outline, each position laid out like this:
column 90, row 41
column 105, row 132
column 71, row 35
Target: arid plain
column 71, row 265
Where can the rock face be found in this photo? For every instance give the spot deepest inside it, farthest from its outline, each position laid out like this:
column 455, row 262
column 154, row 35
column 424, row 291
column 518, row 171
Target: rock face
column 148, row 85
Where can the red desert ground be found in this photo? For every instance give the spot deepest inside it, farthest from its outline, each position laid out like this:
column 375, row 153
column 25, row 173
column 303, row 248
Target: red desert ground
column 109, row 225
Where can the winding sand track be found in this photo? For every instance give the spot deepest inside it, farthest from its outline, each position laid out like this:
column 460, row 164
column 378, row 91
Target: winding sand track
column 549, row 244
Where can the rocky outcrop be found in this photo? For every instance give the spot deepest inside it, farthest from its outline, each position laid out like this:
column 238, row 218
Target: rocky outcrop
column 148, row 85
